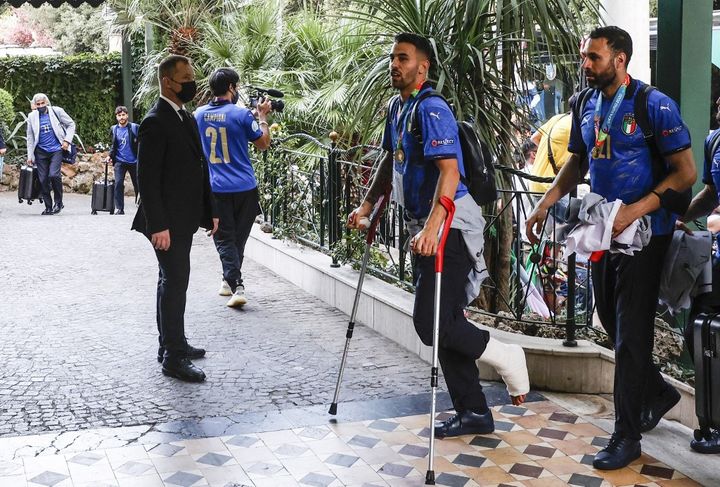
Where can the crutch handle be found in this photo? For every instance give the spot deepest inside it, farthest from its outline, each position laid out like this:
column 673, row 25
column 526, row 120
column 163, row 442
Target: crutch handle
column 449, row 206
column 375, row 217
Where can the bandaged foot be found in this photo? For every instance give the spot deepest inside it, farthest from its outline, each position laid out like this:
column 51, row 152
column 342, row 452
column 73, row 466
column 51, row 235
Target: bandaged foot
column 509, row 362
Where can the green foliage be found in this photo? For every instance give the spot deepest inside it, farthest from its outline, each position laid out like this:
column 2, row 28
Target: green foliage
column 7, row 114
column 71, row 30
column 87, row 86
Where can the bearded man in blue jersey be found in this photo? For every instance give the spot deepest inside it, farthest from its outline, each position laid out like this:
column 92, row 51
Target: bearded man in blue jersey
column 226, row 129
column 606, row 137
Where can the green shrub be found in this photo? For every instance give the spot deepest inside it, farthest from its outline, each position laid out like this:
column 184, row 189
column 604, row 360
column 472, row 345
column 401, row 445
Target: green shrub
column 7, row 113
column 87, row 86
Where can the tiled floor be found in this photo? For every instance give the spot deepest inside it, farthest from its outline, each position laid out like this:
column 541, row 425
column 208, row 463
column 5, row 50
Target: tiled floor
column 540, row 445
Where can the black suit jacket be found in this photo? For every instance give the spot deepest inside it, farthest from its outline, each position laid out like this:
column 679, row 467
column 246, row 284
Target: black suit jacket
column 173, row 178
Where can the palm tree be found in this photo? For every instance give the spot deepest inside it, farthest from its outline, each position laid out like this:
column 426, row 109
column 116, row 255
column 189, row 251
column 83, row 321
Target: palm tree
column 483, row 51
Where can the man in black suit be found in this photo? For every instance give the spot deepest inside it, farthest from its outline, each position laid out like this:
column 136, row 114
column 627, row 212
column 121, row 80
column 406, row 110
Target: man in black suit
column 175, row 199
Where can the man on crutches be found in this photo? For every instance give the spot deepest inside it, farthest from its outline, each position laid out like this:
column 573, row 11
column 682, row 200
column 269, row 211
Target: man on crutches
column 421, row 176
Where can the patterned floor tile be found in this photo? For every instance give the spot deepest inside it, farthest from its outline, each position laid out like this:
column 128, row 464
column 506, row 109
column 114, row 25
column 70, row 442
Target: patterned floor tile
column 242, row 441
column 87, row 458
column 383, row 425
column 364, row 441
column 49, row 478
column 214, row 459
column 184, row 479
column 452, row 479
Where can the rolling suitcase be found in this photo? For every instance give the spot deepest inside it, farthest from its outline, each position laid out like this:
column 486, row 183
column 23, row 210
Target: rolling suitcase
column 29, row 185
column 103, row 198
column 706, row 347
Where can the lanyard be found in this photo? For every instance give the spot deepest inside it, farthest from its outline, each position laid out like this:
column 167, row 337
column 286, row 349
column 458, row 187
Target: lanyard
column 402, row 122
column 601, row 133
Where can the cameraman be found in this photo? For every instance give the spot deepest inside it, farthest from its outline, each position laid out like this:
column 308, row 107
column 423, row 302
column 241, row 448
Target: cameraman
column 225, row 130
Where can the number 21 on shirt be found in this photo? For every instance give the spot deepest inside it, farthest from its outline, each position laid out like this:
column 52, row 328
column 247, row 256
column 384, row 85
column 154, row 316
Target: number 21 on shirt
column 212, row 132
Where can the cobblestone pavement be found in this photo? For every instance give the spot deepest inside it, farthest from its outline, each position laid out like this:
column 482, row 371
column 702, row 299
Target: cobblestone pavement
column 78, row 335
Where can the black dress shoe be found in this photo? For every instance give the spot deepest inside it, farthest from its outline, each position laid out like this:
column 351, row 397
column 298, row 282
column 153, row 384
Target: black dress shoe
column 47, row 211
column 120, row 212
column 619, row 453
column 191, row 352
column 663, row 402
column 708, row 444
column 465, row 423
column 183, row 369
column 58, row 208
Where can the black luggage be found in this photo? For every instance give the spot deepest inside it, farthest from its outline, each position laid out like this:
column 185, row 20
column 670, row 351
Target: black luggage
column 29, row 185
column 103, row 198
column 706, row 351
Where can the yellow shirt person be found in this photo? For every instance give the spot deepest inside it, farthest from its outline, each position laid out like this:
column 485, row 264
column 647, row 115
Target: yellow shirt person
column 558, row 130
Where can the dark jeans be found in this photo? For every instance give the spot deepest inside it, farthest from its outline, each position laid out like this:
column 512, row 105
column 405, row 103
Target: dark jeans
column 120, row 169
column 237, row 212
column 461, row 342
column 174, row 265
column 48, row 167
column 626, row 292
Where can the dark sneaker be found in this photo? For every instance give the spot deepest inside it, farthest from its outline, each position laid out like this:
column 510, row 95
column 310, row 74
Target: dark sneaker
column 619, row 453
column 182, row 369
column 58, row 208
column 48, row 211
column 706, row 444
column 465, row 423
column 120, row 212
column 651, row 414
column 190, row 352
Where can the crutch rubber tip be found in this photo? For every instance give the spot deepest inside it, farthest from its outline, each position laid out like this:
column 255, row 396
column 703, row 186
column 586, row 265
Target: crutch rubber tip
column 333, row 409
column 430, row 477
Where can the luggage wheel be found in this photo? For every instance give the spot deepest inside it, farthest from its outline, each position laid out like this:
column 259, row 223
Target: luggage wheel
column 29, row 202
column 93, row 212
column 20, row 200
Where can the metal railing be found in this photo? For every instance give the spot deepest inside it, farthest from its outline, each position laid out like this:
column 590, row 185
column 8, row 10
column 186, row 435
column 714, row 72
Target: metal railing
column 308, row 188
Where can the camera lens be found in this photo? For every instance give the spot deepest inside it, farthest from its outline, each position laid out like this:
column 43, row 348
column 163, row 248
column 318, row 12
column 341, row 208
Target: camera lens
column 277, row 105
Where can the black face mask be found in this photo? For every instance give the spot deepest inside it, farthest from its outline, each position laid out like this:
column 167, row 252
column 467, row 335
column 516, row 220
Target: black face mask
column 187, row 92
column 42, row 110
column 235, row 97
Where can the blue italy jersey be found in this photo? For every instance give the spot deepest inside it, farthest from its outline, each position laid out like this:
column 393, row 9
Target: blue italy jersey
column 124, row 147
column 225, row 130
column 47, row 139
column 623, row 169
column 711, row 173
column 418, row 174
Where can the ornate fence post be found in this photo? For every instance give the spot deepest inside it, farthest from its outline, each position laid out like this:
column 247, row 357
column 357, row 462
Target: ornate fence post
column 571, row 282
column 335, row 196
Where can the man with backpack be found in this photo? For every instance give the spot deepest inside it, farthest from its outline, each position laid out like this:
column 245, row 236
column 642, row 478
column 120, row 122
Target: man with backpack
column 420, row 174
column 704, row 203
column 637, row 149
column 123, row 155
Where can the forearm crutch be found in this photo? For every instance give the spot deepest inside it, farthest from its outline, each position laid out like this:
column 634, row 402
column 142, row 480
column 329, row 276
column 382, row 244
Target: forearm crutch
column 369, row 239
column 449, row 206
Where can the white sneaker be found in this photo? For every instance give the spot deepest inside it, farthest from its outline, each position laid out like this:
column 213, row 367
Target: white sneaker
column 225, row 289
column 238, row 298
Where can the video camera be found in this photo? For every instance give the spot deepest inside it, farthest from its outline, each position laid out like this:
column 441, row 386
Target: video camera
column 259, row 94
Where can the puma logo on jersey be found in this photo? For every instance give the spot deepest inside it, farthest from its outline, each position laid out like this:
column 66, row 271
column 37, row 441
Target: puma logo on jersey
column 665, row 107
column 436, row 115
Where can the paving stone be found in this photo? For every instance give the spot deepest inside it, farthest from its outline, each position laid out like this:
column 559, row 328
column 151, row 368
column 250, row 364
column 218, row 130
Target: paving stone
column 79, row 341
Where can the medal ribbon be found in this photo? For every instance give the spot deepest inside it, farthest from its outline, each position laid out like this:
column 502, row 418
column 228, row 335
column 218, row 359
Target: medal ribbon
column 601, row 133
column 403, row 122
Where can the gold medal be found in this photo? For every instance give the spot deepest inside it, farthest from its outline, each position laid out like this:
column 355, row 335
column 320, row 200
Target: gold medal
column 399, row 155
column 595, row 153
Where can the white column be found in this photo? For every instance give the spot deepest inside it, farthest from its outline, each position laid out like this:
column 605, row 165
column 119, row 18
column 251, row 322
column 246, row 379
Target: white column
column 634, row 17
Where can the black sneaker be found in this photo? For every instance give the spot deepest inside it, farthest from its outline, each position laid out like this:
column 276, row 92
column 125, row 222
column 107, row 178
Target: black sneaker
column 662, row 403
column 48, row 211
column 120, row 212
column 619, row 453
column 706, row 444
column 58, row 208
column 465, row 423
